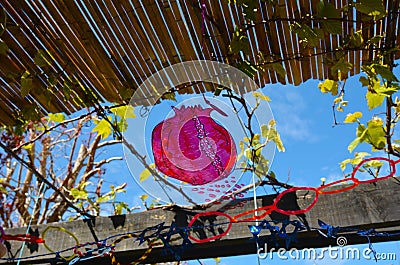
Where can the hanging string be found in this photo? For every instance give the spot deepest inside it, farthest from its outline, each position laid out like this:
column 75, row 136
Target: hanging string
column 36, row 198
column 203, row 22
column 102, row 248
column 255, row 210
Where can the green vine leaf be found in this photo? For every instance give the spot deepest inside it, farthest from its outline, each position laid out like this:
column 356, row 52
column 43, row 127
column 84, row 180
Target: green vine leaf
column 271, row 134
column 43, row 58
column 376, row 133
column 373, row 8
column 143, row 197
column 120, row 207
column 354, row 41
column 145, row 174
column 385, row 72
column 358, row 157
column 387, row 90
column 353, row 117
column 240, row 42
column 57, row 117
column 307, row 35
column 121, row 125
column 78, row 194
column 329, row 86
column 103, row 128
column 327, row 11
column 259, row 95
column 169, row 95
column 361, row 134
column 278, row 68
column 353, row 144
column 375, row 40
column 26, row 83
column 247, row 68
column 103, row 199
column 374, row 100
column 124, row 111
column 341, row 68
column 31, row 113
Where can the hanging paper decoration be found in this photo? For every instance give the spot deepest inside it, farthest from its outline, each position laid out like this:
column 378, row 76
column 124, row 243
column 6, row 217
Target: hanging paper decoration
column 192, row 147
column 205, row 147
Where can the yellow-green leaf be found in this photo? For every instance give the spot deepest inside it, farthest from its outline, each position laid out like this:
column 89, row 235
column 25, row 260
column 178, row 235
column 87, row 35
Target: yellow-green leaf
column 353, row 144
column 104, row 199
column 344, row 163
column 103, row 128
column 26, row 83
column 271, row 134
column 278, row 68
column 376, row 133
column 341, row 68
column 28, row 147
column 329, row 86
column 374, row 8
column 124, row 111
column 309, row 36
column 356, row 40
column 143, row 197
column 387, row 89
column 352, row 117
column 146, row 173
column 240, row 42
column 247, row 67
column 57, row 117
column 169, row 95
column 374, row 100
column 261, row 96
column 385, row 72
column 43, row 58
column 328, row 10
column 78, row 194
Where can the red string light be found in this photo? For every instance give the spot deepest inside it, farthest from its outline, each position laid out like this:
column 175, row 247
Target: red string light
column 265, row 210
column 23, row 237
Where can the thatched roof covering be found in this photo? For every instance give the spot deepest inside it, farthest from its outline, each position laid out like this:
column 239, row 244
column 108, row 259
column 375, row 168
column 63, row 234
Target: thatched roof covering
column 105, row 49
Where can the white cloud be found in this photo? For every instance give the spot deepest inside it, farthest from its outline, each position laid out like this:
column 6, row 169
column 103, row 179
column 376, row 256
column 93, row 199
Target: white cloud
column 294, row 127
column 290, row 109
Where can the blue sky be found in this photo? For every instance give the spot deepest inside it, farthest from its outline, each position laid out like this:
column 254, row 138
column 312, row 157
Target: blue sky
column 314, row 149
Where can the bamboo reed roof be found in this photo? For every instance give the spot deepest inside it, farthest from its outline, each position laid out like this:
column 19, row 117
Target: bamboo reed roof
column 109, row 47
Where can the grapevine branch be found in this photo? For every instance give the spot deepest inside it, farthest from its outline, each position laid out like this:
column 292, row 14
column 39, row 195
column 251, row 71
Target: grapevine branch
column 63, row 123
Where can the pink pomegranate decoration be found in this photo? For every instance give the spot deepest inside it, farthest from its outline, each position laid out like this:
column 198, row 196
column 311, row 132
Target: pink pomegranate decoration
column 192, row 147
